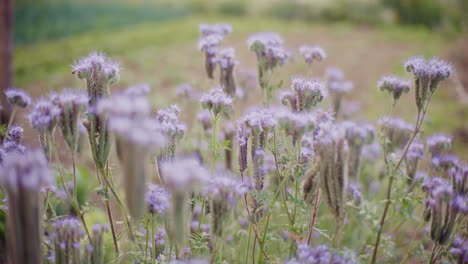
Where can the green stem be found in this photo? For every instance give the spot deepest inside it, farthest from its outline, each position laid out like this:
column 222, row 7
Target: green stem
column 248, row 245
column 214, row 139
column 434, row 249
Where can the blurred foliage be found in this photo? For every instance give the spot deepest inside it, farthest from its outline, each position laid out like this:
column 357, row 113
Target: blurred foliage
column 50, row 19
column 233, row 7
column 417, row 12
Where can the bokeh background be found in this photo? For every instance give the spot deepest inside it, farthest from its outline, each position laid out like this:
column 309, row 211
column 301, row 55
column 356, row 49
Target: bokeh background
column 156, row 43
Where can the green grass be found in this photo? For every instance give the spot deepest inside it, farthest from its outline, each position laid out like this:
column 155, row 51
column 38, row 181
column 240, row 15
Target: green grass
column 165, row 54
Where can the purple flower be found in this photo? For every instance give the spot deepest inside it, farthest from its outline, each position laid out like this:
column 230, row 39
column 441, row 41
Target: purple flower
column 216, row 101
column 397, row 131
column 394, row 85
column 221, row 29
column 437, row 143
column 66, row 234
column 295, row 124
column 44, row 116
column 445, row 162
column 98, row 68
column 15, row 133
column 172, row 128
column 354, row 193
column 187, row 91
column 183, row 174
column 304, row 94
column 227, row 62
column 18, row 97
column 320, row 254
column 312, row 53
column 157, row 199
column 142, row 89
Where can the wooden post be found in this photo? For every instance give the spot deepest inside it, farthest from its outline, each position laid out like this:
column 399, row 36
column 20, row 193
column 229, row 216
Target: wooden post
column 6, row 53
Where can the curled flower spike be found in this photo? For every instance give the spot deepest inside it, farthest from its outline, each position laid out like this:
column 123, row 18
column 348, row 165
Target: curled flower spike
column 414, row 154
column 158, row 199
column 460, row 249
column 216, row 101
column 95, row 251
column 295, row 124
column 270, row 54
column 398, row 131
column 66, row 234
column 160, row 241
column 337, row 86
column 209, row 45
column 98, row 71
column 223, row 191
column 312, row 53
column 221, row 29
column 18, row 97
column 437, row 143
column 226, row 63
column 333, row 152
column 43, row 117
column 181, row 177
column 304, row 94
column 394, row 85
column 427, row 76
column 173, row 129
column 445, row 162
column 243, row 134
column 23, row 176
column 137, row 90
column 443, row 205
column 72, row 105
column 357, row 135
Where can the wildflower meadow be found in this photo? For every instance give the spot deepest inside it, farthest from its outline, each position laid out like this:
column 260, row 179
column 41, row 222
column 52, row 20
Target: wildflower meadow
column 284, row 175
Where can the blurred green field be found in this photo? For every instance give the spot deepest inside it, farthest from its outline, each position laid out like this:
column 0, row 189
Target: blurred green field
column 164, row 54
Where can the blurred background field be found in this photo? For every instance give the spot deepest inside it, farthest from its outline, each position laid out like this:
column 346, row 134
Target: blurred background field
column 156, row 42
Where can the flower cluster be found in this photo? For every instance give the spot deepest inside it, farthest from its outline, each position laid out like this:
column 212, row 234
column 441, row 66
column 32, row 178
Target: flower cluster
column 337, row 86
column 394, row 85
column 295, row 124
column 357, row 136
column 18, row 97
column 397, row 131
column 158, row 199
column 304, row 94
column 320, row 254
column 13, row 141
column 172, row 128
column 66, row 234
column 210, row 39
column 226, row 64
column 216, row 101
column 312, row 53
column 427, row 76
column 438, row 143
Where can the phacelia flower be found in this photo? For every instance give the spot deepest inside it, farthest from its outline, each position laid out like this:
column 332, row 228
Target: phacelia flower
column 337, row 87
column 23, row 176
column 414, row 154
column 209, row 45
column 397, row 131
column 437, row 143
column 221, row 29
column 72, row 105
column 173, row 128
column 394, row 85
column 142, row 89
column 320, row 254
column 304, row 94
column 66, row 234
column 216, row 101
column 158, row 199
column 243, row 134
column 357, row 135
column 18, row 97
column 295, row 124
column 44, row 116
column 312, row 53
column 226, row 63
column 427, row 76
column 95, row 250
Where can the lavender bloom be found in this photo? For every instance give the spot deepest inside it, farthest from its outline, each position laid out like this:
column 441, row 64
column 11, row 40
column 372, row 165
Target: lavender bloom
column 443, row 206
column 173, row 129
column 427, row 76
column 95, row 251
column 394, row 85
column 307, row 147
column 357, row 135
column 15, row 133
column 18, row 97
column 397, row 131
column 459, row 177
column 66, row 234
column 220, row 29
column 72, row 105
column 43, row 117
column 337, row 91
column 209, row 45
column 216, row 101
column 354, row 193
column 333, row 74
column 226, row 64
column 243, row 134
column 181, row 177
column 295, row 124
column 270, row 54
column 22, row 177
column 157, row 199
column 460, row 249
column 437, row 143
column 319, row 255
column 13, row 141
column 333, row 152
column 312, row 53
column 142, row 89
column 223, row 190
column 414, row 154
column 98, row 71
column 445, row 162
column 205, row 119
column 159, row 241
column 304, row 94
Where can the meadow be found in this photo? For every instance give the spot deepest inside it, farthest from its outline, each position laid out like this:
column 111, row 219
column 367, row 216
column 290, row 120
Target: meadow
column 289, row 160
